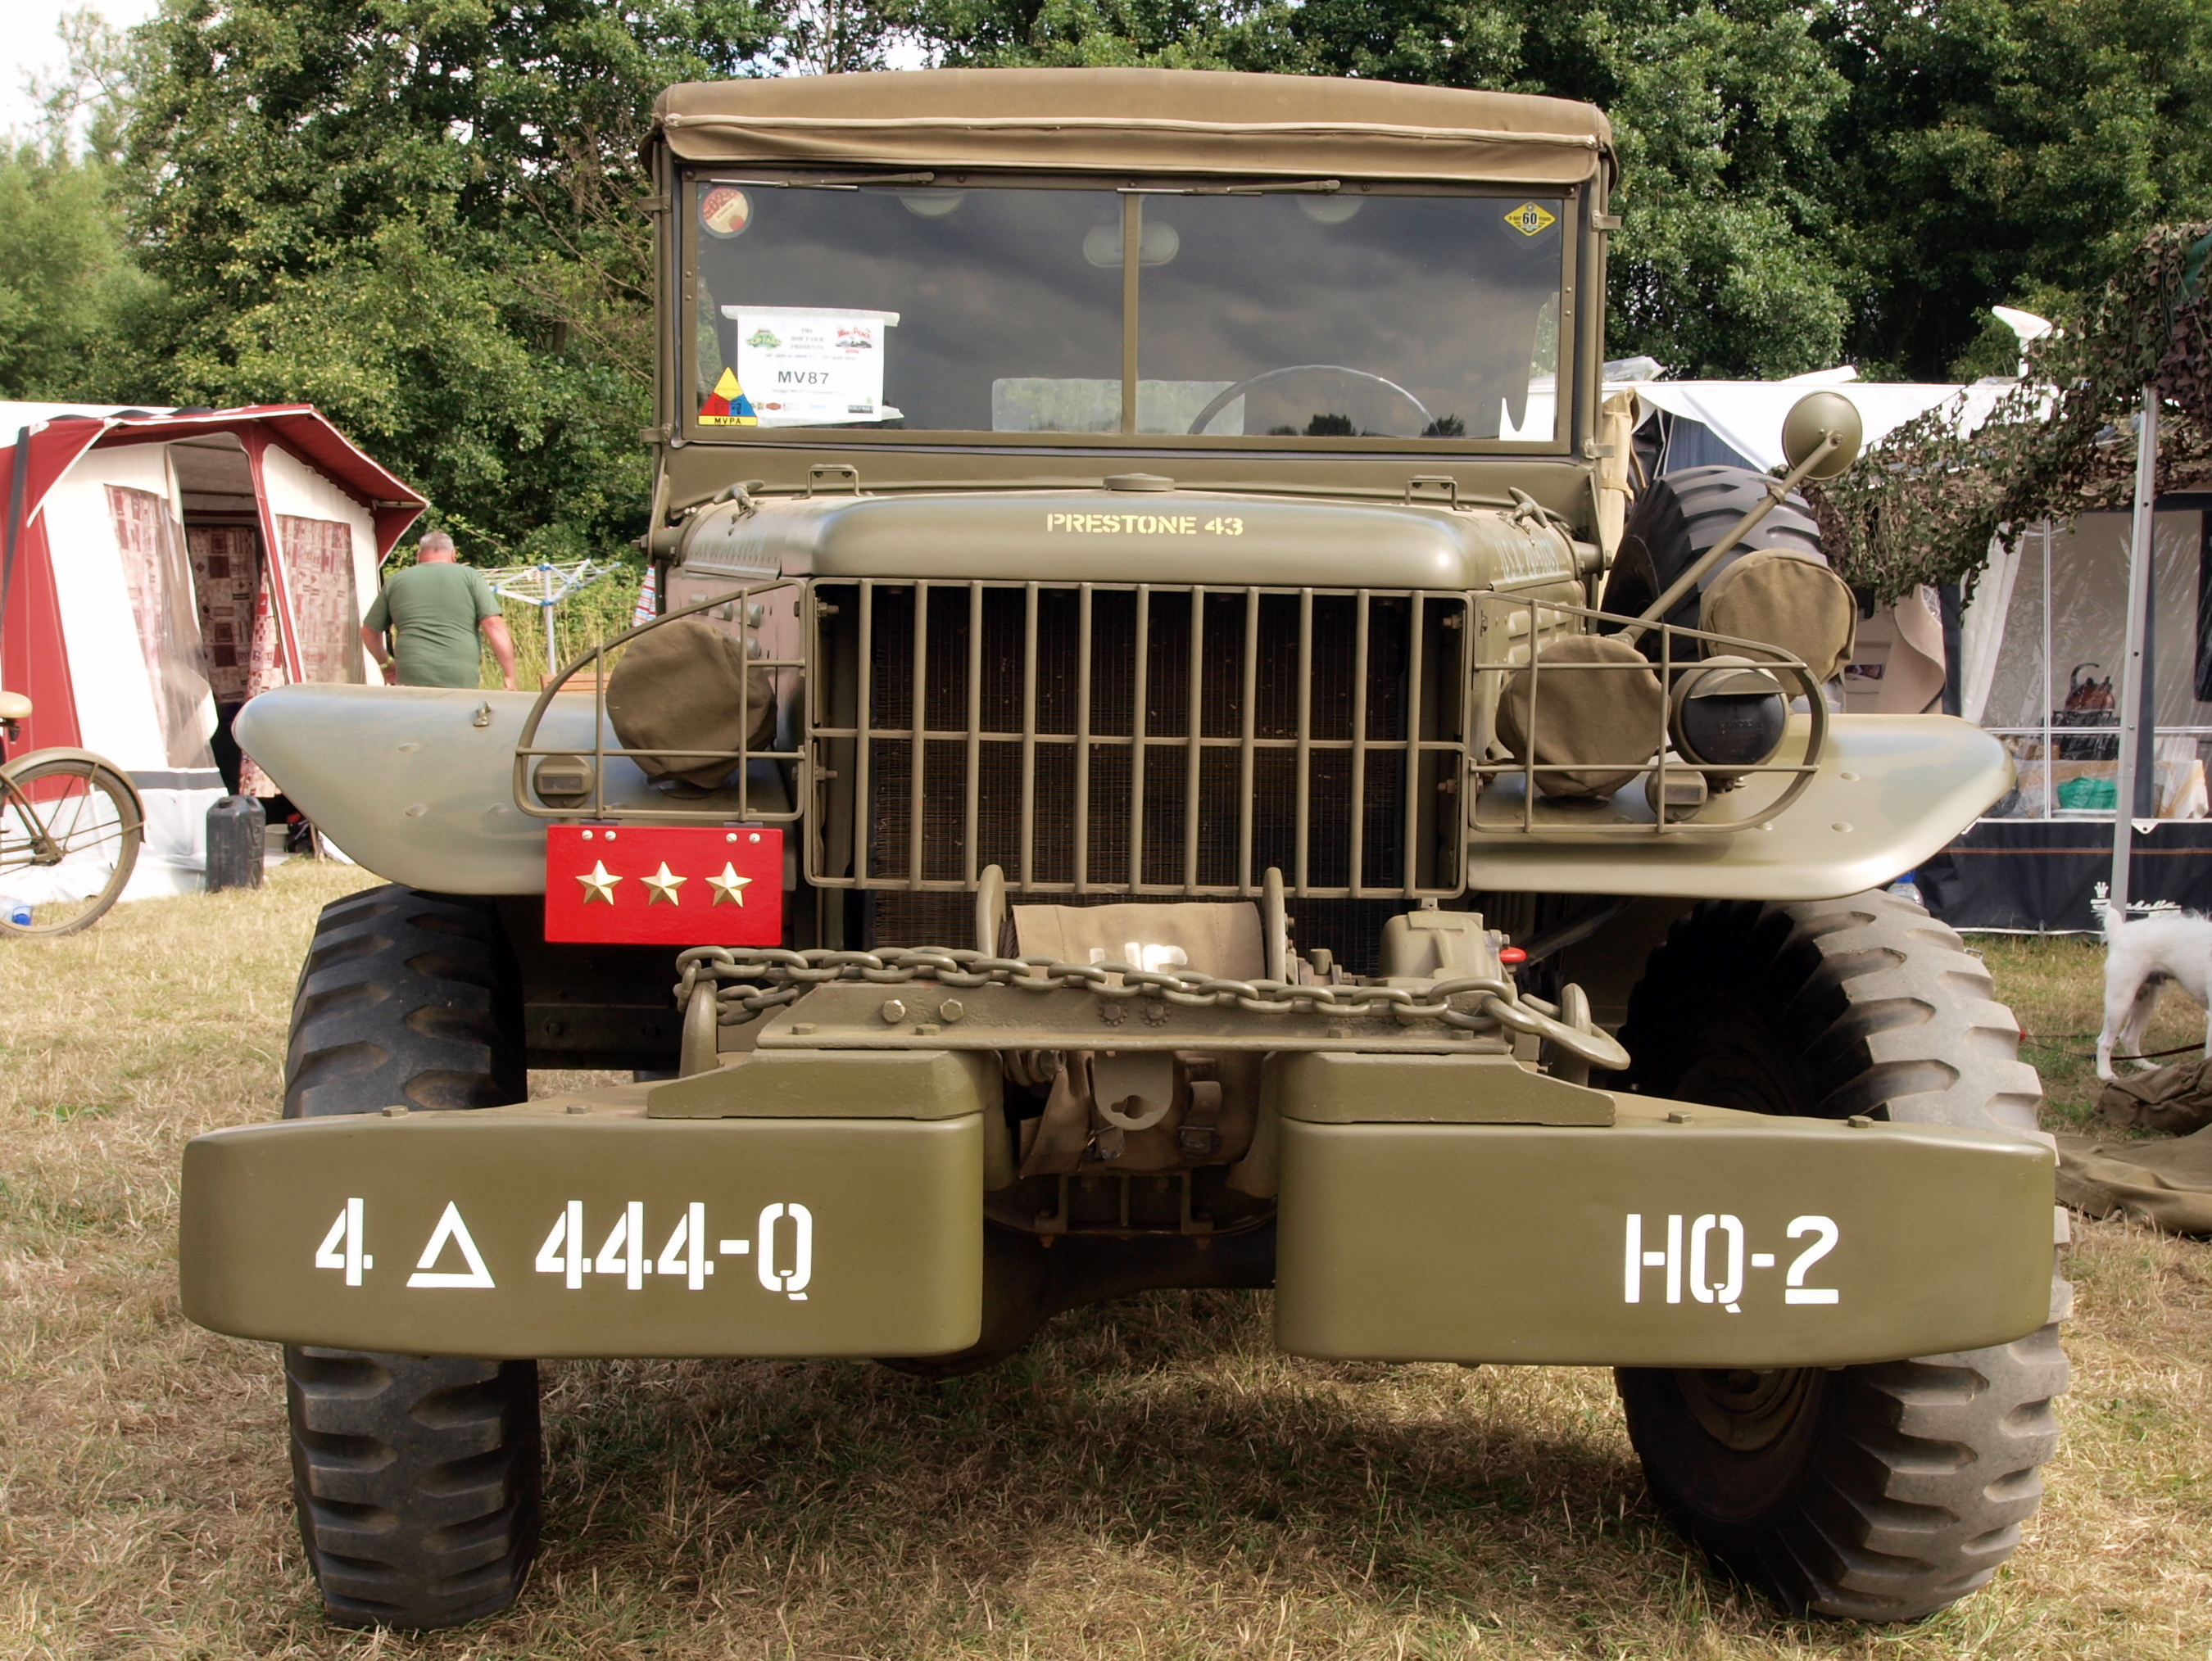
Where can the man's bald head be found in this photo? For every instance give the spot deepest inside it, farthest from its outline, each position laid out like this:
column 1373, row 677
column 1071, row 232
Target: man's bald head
column 434, row 547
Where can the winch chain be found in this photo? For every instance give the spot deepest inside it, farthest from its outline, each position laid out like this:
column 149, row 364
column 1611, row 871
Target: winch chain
column 1492, row 1001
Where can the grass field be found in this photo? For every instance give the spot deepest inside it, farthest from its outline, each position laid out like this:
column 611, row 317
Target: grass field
column 1151, row 1480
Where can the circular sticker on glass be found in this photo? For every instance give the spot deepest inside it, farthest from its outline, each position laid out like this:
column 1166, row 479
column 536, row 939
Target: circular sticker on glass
column 725, row 210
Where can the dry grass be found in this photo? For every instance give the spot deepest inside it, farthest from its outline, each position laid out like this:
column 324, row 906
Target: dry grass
column 1149, row 1481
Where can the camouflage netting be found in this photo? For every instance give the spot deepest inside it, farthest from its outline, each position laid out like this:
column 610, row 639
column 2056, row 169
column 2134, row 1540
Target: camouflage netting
column 1923, row 504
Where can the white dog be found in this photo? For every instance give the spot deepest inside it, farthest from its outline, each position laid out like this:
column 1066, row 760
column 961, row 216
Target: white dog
column 2140, row 958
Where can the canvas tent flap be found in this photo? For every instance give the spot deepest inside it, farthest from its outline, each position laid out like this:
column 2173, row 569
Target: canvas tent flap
column 1169, row 121
column 32, row 658
column 131, row 628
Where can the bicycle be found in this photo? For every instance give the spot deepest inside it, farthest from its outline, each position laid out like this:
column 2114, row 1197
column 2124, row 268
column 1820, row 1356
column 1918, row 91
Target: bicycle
column 70, row 824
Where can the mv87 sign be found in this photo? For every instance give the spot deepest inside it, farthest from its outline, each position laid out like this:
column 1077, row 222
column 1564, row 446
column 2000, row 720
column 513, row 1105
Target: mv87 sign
column 664, row 885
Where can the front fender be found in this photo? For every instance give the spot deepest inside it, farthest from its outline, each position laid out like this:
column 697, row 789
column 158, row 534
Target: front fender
column 405, row 781
column 1889, row 790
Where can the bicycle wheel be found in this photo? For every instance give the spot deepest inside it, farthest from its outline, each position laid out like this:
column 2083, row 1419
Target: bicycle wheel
column 69, row 830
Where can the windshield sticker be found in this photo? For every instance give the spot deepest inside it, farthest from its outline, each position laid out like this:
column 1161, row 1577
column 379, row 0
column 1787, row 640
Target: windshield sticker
column 1530, row 218
column 813, row 365
column 725, row 210
column 727, row 404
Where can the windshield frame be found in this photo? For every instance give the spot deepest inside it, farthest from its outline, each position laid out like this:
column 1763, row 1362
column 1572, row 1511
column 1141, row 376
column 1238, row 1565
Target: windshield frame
column 681, row 420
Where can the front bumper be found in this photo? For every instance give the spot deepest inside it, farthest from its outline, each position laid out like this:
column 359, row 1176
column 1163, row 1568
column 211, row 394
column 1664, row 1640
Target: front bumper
column 1431, row 1207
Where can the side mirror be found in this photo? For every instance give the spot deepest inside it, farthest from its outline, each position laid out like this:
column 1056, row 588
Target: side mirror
column 1812, row 419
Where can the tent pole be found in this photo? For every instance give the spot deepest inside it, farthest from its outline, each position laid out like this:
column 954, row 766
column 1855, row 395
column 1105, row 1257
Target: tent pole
column 2132, row 677
column 15, row 526
column 2050, row 688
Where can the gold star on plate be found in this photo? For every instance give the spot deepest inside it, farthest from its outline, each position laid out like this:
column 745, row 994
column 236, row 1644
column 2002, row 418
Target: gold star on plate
column 598, row 883
column 663, row 883
column 729, row 886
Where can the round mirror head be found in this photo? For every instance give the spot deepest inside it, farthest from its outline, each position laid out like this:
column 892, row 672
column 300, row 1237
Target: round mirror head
column 1811, row 419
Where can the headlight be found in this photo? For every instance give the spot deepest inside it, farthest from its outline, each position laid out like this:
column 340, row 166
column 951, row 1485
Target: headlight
column 1729, row 714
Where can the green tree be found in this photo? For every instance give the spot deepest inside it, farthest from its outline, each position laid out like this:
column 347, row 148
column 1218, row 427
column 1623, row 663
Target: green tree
column 74, row 305
column 71, row 299
column 422, row 215
column 2008, row 150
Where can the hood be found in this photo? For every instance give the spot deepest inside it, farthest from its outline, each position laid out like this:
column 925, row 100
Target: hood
column 1173, row 537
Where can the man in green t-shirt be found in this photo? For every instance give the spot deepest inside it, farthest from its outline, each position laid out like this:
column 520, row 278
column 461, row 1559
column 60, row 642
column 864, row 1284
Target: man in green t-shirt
column 434, row 609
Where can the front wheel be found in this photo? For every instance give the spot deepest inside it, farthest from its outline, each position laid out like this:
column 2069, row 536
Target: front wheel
column 416, row 1476
column 69, row 830
column 1882, row 1492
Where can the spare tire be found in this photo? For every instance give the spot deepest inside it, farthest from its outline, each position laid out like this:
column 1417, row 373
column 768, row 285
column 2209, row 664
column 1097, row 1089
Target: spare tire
column 1677, row 519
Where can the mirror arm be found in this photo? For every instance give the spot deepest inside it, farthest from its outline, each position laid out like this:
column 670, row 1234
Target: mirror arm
column 1830, row 443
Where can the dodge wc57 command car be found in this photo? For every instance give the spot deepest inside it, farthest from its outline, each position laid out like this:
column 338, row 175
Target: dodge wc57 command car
column 1178, row 750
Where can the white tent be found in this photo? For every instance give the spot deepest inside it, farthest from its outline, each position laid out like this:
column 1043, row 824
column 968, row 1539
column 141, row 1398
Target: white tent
column 2044, row 623
column 160, row 567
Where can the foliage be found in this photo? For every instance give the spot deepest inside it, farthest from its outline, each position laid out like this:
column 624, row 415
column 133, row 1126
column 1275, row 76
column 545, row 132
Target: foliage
column 70, row 296
column 1923, row 506
column 74, row 304
column 421, row 215
column 2008, row 150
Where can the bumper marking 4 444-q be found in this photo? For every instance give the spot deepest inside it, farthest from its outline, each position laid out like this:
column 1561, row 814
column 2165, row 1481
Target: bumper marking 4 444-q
column 523, row 1232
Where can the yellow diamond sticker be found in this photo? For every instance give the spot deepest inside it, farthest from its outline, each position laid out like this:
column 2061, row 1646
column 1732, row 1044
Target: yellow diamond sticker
column 1531, row 217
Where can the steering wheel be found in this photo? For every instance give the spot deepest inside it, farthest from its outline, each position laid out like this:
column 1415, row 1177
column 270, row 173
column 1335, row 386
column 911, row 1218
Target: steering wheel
column 1222, row 400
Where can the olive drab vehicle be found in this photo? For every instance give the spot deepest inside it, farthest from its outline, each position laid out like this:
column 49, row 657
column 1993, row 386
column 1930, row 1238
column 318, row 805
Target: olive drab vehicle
column 1178, row 750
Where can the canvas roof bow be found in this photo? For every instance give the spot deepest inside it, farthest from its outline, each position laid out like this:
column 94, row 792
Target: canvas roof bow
column 1142, row 121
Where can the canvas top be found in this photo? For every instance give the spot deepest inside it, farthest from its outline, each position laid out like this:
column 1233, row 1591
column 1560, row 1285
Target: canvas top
column 1146, row 121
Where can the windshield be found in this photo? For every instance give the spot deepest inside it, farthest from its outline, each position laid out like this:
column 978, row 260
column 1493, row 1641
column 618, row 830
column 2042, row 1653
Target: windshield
column 1287, row 313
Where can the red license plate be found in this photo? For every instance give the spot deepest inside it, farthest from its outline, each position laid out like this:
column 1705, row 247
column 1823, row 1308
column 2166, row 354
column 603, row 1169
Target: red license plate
column 664, row 885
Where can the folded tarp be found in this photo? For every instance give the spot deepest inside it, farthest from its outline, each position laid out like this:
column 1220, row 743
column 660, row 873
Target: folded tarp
column 2166, row 1182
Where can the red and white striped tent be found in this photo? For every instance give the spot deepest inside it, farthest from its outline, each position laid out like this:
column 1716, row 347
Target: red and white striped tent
column 159, row 568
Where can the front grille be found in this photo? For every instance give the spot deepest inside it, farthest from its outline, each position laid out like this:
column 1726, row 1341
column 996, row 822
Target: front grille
column 1103, row 739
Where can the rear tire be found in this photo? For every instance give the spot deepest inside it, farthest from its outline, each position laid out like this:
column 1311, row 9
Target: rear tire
column 416, row 1478
column 1882, row 1492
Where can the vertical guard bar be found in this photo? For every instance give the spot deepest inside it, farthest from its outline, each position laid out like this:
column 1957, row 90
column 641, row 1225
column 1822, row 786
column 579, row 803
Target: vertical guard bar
column 864, row 716
column 1083, row 739
column 599, row 731
column 1250, row 735
column 1416, row 612
column 1249, row 732
column 975, row 724
column 920, row 713
column 741, row 613
column 1029, row 728
column 1305, row 731
column 1137, row 725
column 1193, row 724
column 1528, row 775
column 1356, row 878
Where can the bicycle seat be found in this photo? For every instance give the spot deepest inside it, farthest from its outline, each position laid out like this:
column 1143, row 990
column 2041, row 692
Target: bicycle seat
column 15, row 706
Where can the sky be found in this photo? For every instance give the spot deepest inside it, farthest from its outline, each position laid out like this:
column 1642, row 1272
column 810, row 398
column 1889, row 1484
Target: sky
column 30, row 45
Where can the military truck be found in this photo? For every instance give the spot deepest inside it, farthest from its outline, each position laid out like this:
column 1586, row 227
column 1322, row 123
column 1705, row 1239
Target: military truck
column 1180, row 749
